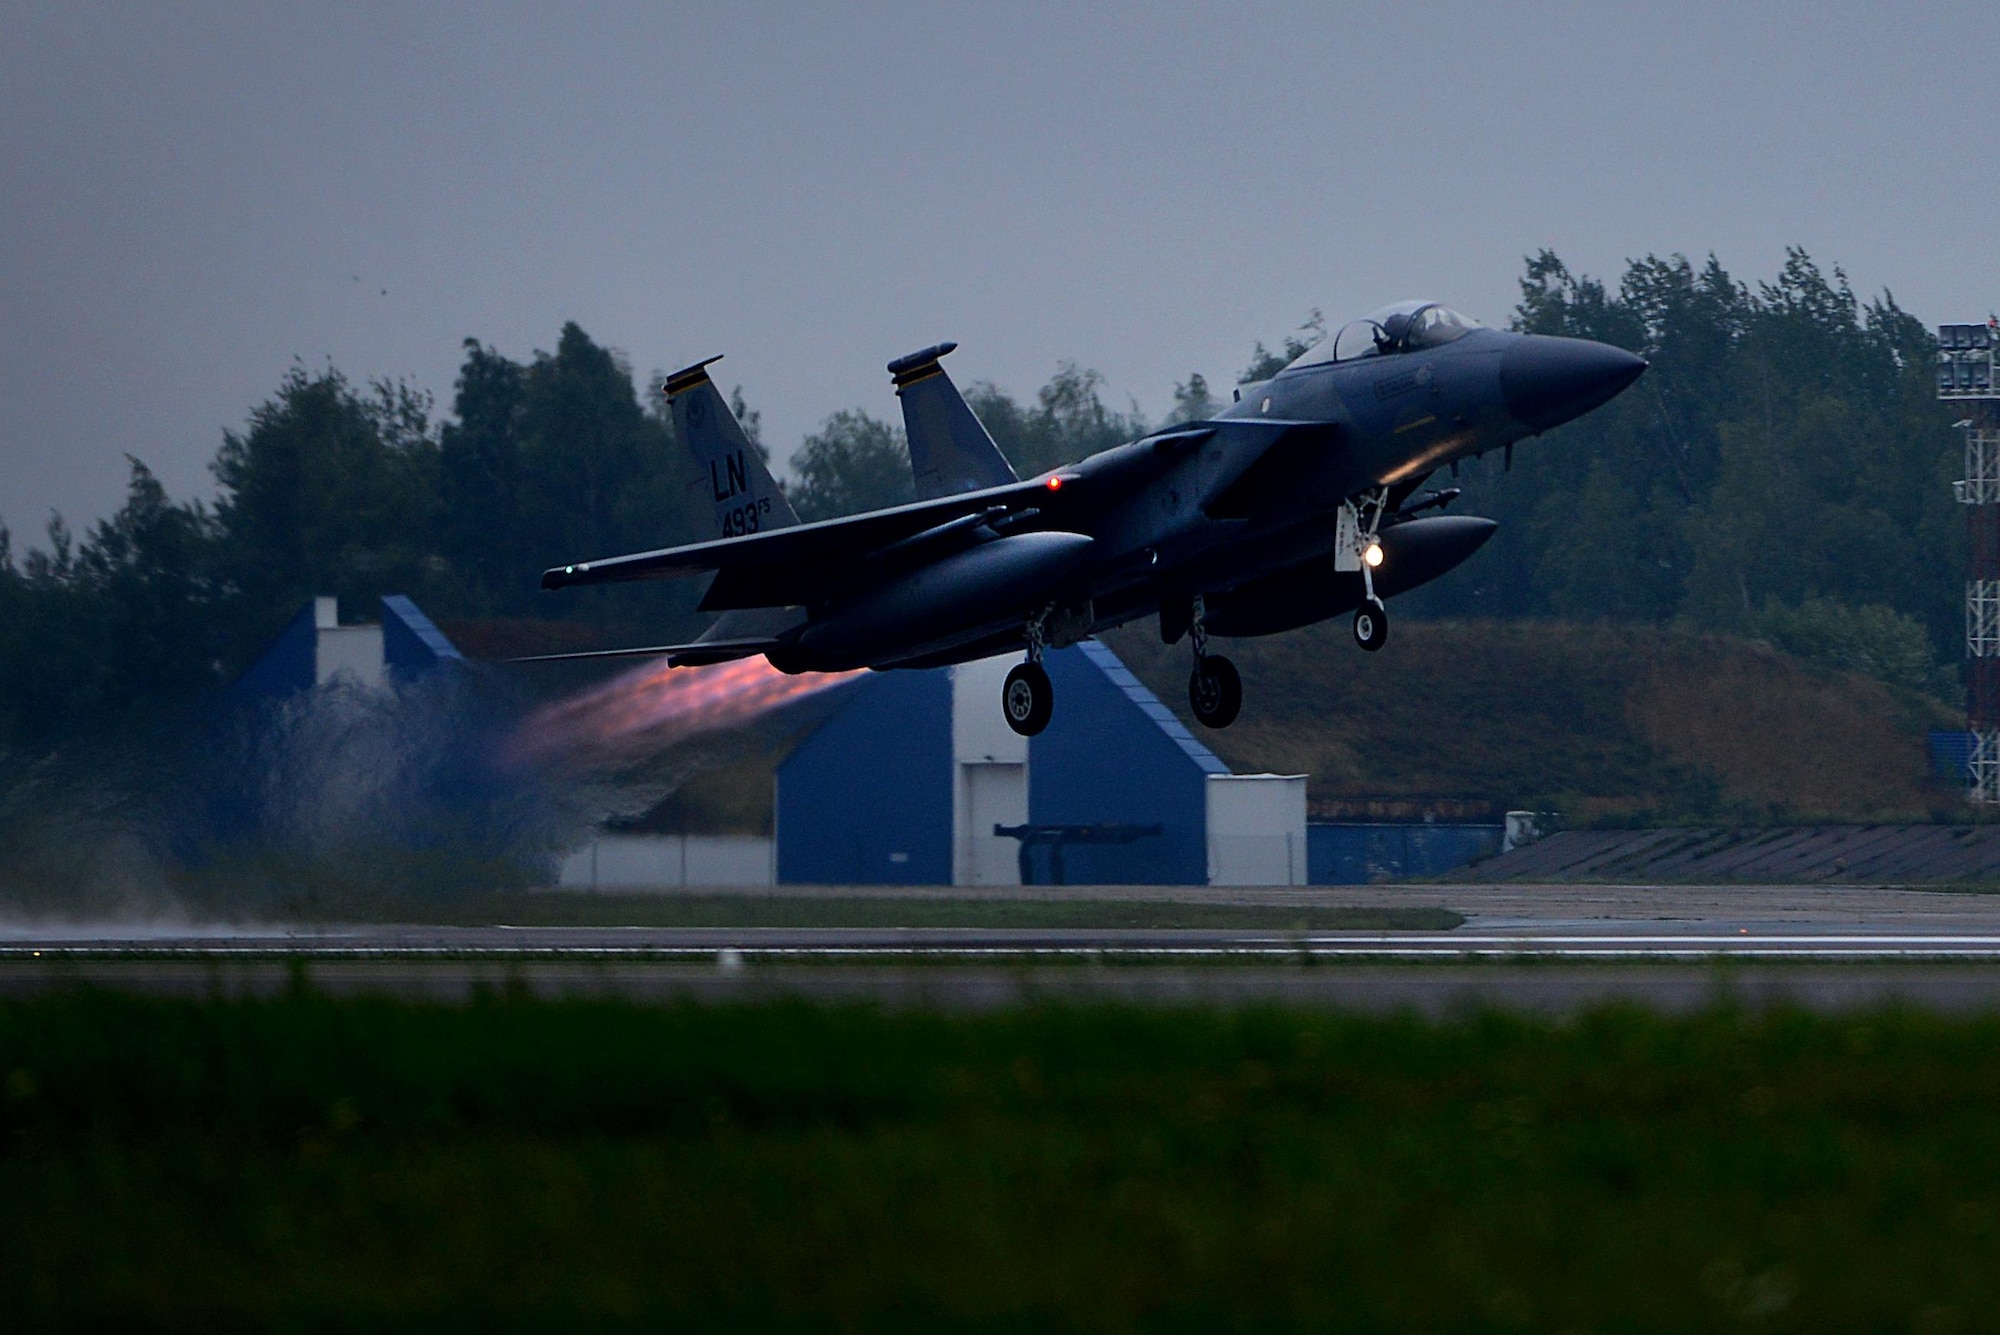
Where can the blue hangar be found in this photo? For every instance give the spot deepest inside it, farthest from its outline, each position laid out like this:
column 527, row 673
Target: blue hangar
column 916, row 780
column 315, row 649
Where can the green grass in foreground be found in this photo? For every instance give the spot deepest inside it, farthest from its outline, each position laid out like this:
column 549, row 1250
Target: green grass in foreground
column 306, row 1162
column 599, row 910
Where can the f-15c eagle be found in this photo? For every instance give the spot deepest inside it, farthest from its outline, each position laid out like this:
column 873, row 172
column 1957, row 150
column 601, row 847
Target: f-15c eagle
column 1298, row 503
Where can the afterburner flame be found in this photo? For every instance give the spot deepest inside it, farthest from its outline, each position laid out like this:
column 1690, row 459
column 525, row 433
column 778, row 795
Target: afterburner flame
column 651, row 708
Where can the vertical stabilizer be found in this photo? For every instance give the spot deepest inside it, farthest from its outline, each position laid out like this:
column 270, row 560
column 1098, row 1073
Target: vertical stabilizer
column 950, row 451
column 745, row 496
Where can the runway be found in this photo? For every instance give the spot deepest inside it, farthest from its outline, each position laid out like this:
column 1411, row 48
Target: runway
column 1526, row 923
column 1549, row 949
column 1007, row 945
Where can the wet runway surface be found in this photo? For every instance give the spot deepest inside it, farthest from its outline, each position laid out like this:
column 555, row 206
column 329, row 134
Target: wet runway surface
column 1544, row 949
column 1580, row 923
column 1002, row 945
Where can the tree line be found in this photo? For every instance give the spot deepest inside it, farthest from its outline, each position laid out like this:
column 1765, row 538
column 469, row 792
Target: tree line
column 1781, row 471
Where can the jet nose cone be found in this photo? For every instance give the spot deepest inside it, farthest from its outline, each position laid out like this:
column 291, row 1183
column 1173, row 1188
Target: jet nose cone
column 1547, row 381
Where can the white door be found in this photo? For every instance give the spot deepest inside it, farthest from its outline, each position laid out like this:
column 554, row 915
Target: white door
column 993, row 794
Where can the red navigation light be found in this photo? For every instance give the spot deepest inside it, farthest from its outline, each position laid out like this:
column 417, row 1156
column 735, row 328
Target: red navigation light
column 1055, row 484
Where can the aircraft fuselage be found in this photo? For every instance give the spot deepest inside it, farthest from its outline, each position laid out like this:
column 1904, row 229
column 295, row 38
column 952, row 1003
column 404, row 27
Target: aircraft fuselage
column 1235, row 510
column 1297, row 503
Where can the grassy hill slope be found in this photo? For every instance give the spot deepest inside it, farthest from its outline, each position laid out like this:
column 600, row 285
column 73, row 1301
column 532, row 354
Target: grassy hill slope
column 1606, row 724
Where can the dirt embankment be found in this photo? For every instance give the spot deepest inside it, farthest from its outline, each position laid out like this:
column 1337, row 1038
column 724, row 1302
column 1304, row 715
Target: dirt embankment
column 1604, row 723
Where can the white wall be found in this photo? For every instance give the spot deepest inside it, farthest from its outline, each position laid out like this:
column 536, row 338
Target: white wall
column 989, row 776
column 979, row 731
column 669, row 862
column 1256, row 829
column 353, row 652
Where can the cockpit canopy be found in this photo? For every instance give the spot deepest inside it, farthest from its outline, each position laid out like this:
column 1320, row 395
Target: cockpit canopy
column 1407, row 326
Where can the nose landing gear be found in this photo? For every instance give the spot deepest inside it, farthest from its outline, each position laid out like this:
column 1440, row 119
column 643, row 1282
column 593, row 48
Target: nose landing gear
column 1357, row 548
column 1215, row 688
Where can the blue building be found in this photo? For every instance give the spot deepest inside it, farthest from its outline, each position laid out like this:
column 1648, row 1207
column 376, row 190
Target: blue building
column 908, row 776
column 314, row 649
column 907, row 780
column 867, row 797
column 1369, row 852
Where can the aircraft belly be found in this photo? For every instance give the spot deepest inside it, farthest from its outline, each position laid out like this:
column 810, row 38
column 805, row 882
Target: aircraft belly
column 1002, row 639
column 942, row 603
column 1222, row 553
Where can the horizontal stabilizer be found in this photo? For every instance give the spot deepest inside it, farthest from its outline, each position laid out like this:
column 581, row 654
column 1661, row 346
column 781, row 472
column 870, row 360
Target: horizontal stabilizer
column 677, row 655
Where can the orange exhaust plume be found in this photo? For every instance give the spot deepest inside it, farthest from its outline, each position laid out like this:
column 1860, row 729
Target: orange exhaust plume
column 653, row 707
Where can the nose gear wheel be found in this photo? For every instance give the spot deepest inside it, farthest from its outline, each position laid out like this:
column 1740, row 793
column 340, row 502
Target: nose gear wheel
column 1371, row 625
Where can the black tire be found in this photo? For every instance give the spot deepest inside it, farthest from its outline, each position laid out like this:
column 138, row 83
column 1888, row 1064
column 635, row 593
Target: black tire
column 1028, row 699
column 1371, row 625
column 1215, row 691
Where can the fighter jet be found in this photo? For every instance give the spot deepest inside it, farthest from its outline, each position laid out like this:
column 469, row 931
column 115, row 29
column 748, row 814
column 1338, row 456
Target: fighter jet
column 1302, row 501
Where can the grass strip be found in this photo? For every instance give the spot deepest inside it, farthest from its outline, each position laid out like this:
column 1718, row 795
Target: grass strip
column 304, row 1162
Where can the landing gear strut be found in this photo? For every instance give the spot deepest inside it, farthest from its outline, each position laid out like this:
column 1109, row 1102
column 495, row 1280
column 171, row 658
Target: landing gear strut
column 1371, row 619
column 1028, row 699
column 1215, row 689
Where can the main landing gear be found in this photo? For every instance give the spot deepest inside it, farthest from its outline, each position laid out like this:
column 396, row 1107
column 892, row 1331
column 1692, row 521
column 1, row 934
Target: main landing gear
column 1028, row 698
column 1215, row 688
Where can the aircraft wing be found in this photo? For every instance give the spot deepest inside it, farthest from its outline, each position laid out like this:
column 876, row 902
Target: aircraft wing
column 794, row 566
column 782, row 567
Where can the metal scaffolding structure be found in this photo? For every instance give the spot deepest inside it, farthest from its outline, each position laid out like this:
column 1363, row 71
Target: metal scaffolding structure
column 1969, row 374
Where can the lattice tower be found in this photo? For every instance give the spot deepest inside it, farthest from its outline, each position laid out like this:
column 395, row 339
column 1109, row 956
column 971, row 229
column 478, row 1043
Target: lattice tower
column 1969, row 375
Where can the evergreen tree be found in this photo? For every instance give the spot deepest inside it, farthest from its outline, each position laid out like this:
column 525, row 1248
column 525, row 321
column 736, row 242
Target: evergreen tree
column 597, row 476
column 1264, row 363
column 1784, row 449
column 1192, row 401
column 104, row 633
column 481, row 536
column 328, row 491
column 854, row 462
column 551, row 462
column 1069, row 421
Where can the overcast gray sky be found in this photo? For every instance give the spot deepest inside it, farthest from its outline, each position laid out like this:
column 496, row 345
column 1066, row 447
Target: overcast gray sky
column 191, row 196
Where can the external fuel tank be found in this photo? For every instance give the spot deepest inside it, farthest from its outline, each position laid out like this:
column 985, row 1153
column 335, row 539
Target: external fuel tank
column 1413, row 552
